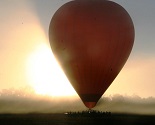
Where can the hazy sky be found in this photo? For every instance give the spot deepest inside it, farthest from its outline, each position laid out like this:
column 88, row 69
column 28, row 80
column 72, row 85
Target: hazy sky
column 26, row 61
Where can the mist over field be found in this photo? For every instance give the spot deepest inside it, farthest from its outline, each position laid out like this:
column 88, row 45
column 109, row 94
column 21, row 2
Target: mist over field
column 21, row 102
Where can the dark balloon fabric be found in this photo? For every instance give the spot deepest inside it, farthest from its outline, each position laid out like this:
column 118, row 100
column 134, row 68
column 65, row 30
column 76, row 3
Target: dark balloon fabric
column 92, row 40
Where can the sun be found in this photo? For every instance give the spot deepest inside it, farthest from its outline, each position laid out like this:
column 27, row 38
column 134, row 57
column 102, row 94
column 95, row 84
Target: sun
column 45, row 75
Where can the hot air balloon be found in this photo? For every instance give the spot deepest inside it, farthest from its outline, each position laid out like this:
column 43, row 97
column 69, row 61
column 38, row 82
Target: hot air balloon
column 92, row 40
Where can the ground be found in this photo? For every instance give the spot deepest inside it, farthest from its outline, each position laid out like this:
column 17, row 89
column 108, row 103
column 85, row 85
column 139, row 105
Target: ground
column 63, row 119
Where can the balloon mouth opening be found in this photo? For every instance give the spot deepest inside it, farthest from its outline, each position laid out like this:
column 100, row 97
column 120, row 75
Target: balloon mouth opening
column 90, row 100
column 90, row 105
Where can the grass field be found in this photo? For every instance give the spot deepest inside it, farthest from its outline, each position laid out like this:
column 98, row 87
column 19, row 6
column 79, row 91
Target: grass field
column 62, row 119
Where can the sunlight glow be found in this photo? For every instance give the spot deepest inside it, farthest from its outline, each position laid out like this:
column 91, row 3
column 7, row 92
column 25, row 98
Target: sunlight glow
column 45, row 74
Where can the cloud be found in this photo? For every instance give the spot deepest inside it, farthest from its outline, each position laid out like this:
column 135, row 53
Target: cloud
column 32, row 103
column 128, row 104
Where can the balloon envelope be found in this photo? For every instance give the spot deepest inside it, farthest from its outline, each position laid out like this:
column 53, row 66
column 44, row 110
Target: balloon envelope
column 92, row 40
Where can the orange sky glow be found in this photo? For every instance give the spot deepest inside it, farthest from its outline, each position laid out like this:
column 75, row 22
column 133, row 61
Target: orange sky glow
column 27, row 60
